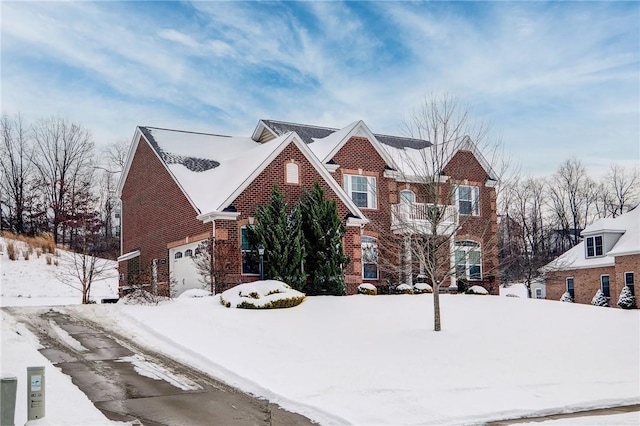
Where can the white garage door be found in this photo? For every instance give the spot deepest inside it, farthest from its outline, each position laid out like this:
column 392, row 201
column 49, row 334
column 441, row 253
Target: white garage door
column 183, row 270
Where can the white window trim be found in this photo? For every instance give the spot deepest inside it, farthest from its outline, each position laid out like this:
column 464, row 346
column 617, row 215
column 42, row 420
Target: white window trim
column 372, row 189
column 375, row 241
column 475, row 200
column 467, row 250
column 593, row 239
column 601, row 284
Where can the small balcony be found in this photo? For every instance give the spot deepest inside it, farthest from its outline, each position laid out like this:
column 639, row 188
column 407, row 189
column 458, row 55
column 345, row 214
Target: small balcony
column 418, row 218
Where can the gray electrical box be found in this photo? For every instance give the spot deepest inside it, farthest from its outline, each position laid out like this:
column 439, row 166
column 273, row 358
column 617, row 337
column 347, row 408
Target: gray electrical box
column 35, row 393
column 8, row 401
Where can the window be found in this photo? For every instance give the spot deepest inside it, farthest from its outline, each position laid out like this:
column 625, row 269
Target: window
column 538, row 293
column 570, row 288
column 594, row 246
column 604, row 285
column 467, row 197
column 407, row 196
column 369, row 258
column 362, row 190
column 178, row 255
column 188, row 253
column 292, row 173
column 250, row 264
column 468, row 260
column 628, row 281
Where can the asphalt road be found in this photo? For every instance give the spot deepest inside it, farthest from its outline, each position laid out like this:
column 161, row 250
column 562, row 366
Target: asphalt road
column 128, row 382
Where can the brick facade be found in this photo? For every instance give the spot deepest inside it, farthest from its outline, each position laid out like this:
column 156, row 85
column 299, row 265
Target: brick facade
column 156, row 213
column 586, row 281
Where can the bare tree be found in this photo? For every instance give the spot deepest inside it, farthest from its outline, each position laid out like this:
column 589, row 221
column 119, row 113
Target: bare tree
column 621, row 189
column 444, row 231
column 63, row 162
column 216, row 271
column 572, row 195
column 16, row 153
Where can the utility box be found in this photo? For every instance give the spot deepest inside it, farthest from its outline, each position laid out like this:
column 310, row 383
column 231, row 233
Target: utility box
column 8, row 401
column 35, row 393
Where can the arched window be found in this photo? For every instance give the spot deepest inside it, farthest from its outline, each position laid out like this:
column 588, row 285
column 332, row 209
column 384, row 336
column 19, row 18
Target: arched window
column 369, row 258
column 292, row 173
column 407, row 196
column 188, row 253
column 468, row 260
column 178, row 255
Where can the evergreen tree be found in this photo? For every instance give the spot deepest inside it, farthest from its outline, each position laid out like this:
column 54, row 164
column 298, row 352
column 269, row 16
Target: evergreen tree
column 627, row 300
column 323, row 232
column 566, row 297
column 281, row 234
column 599, row 299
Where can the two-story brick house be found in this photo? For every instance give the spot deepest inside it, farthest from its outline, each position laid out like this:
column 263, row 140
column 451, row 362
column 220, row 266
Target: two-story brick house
column 181, row 188
column 607, row 258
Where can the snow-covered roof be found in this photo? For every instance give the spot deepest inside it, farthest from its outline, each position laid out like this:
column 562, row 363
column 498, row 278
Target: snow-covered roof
column 212, row 170
column 629, row 243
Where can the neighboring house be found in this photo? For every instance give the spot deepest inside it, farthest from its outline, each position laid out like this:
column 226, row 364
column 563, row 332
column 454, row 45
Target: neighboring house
column 538, row 289
column 607, row 258
column 181, row 188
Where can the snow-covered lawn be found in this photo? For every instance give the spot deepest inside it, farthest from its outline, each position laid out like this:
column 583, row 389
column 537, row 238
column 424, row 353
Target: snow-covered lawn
column 375, row 359
column 365, row 360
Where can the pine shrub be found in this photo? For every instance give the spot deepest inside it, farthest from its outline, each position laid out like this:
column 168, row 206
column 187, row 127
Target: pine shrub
column 599, row 299
column 566, row 297
column 627, row 300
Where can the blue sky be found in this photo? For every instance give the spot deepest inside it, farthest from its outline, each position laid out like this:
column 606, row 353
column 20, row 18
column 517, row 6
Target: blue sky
column 554, row 79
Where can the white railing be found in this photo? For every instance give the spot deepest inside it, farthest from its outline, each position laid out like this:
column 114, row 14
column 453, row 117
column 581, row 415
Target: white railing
column 419, row 218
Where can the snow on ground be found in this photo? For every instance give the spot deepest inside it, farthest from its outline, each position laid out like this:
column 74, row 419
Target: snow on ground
column 364, row 360
column 375, row 360
column 518, row 289
column 65, row 403
column 34, row 283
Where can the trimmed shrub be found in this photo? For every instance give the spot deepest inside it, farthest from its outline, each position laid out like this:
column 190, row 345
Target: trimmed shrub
column 463, row 285
column 476, row 289
column 404, row 289
column 368, row 289
column 289, row 302
column 566, row 297
column 599, row 299
column 512, row 295
column 627, row 300
column 422, row 288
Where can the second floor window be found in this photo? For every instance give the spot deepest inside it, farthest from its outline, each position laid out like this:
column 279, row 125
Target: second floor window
column 362, row 190
column 594, row 246
column 467, row 199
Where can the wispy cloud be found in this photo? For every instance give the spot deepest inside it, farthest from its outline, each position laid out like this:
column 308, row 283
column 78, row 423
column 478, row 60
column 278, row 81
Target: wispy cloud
column 553, row 78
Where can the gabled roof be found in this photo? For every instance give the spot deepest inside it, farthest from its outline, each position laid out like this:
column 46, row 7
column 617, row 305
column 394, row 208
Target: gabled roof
column 627, row 224
column 212, row 170
column 311, row 133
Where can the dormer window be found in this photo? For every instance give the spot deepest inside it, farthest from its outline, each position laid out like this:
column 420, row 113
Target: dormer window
column 594, row 246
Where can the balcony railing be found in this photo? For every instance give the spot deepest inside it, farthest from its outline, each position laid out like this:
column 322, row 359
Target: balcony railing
column 419, row 218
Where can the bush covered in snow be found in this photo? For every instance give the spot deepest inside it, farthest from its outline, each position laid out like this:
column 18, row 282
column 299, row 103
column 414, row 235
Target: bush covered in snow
column 269, row 294
column 422, row 288
column 367, row 288
column 627, row 300
column 512, row 295
column 404, row 289
column 194, row 292
column 566, row 297
column 599, row 299
column 476, row 289
column 142, row 297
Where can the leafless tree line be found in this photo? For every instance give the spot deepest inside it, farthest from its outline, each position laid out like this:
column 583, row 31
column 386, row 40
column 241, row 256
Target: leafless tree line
column 52, row 181
column 543, row 217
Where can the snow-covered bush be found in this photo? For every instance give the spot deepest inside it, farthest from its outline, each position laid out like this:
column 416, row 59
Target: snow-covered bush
column 269, row 294
column 404, row 289
column 367, row 288
column 476, row 289
column 627, row 300
column 512, row 295
column 599, row 299
column 194, row 292
column 421, row 288
column 142, row 297
column 566, row 297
